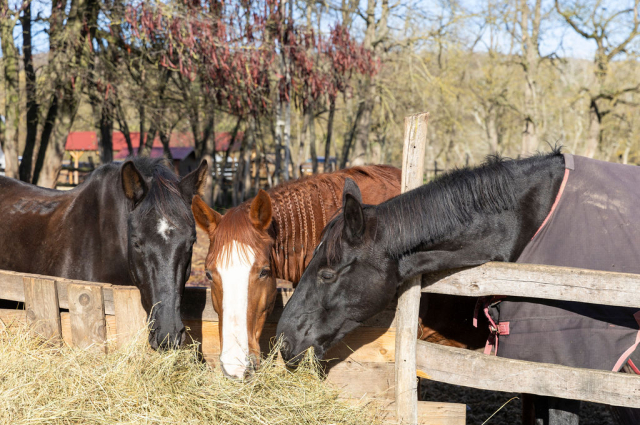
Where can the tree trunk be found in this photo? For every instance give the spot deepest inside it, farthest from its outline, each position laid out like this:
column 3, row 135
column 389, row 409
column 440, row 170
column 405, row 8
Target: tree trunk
column 327, row 144
column 278, row 134
column 106, row 133
column 220, row 189
column 251, row 143
column 287, row 140
column 492, row 131
column 363, row 128
column 165, row 139
column 312, row 138
column 303, row 151
column 55, row 149
column 30, row 91
column 530, row 62
column 11, row 92
column 209, row 155
column 124, row 127
column 45, row 137
column 141, row 139
column 145, row 149
column 593, row 137
column 349, row 141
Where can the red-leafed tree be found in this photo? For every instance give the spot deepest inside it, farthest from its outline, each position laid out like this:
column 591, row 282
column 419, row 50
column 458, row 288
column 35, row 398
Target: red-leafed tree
column 246, row 58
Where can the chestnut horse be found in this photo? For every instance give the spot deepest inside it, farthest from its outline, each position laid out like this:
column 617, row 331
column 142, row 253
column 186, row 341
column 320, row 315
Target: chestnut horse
column 272, row 236
column 127, row 224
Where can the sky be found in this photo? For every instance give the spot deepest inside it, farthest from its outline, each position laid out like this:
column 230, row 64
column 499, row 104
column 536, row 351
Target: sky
column 558, row 37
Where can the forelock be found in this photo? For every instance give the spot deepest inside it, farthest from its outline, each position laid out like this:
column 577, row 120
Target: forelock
column 164, row 196
column 236, row 226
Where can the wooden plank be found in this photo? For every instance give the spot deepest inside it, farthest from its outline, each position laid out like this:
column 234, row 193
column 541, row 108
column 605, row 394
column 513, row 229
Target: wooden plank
column 362, row 345
column 432, row 413
column 415, row 144
column 357, row 379
column 86, row 310
column 12, row 288
column 65, row 320
column 131, row 318
column 470, row 369
column 536, row 281
column 41, row 302
column 9, row 316
column 196, row 302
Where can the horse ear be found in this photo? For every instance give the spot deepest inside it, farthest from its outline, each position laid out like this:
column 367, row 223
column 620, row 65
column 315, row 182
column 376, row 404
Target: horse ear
column 134, row 185
column 351, row 188
column 261, row 212
column 353, row 217
column 193, row 183
column 206, row 217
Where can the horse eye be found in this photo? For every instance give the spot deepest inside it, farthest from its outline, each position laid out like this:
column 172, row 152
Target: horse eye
column 327, row 275
column 209, row 277
column 265, row 272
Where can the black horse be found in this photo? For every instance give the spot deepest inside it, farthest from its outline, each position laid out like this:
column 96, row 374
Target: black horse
column 465, row 218
column 127, row 224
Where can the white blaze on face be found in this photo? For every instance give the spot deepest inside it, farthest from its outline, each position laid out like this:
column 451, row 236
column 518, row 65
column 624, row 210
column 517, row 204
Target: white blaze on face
column 234, row 274
column 164, row 228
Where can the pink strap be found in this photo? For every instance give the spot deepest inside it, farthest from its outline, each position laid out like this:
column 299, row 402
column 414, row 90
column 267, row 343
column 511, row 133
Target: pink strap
column 555, row 204
column 496, row 329
column 631, row 349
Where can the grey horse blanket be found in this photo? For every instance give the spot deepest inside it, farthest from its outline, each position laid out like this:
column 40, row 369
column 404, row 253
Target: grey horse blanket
column 594, row 224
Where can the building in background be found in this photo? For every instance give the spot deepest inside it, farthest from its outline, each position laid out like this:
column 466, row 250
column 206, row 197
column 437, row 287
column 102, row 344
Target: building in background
column 82, row 153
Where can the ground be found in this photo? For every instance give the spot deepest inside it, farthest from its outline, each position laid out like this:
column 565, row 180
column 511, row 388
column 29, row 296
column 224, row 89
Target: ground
column 482, row 404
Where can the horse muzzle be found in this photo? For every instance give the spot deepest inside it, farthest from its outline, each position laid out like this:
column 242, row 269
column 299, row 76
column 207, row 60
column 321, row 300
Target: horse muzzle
column 160, row 340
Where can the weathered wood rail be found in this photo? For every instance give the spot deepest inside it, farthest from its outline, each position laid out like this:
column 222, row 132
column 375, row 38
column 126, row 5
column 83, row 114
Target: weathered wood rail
column 101, row 316
column 98, row 316
column 462, row 367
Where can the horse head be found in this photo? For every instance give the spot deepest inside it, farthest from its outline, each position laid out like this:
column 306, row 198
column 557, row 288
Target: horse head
column 243, row 286
column 160, row 237
column 349, row 279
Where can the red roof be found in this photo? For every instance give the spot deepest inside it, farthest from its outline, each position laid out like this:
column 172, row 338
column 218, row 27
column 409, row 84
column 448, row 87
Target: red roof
column 82, row 141
column 88, row 141
column 177, row 153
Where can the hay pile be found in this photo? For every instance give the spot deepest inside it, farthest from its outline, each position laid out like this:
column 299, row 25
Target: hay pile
column 42, row 383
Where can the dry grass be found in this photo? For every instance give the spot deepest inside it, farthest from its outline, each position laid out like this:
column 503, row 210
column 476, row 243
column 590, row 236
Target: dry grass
column 44, row 383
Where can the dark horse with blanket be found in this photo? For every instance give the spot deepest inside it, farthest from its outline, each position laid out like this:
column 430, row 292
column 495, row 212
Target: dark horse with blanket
column 127, row 224
column 549, row 209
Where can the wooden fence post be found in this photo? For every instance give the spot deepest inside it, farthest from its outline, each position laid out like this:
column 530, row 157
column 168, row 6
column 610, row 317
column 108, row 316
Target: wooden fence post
column 415, row 142
column 86, row 310
column 130, row 315
column 41, row 303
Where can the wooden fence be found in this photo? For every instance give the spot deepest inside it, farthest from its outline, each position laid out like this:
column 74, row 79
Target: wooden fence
column 99, row 316
column 93, row 315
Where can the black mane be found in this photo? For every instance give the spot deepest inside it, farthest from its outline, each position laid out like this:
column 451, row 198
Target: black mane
column 442, row 206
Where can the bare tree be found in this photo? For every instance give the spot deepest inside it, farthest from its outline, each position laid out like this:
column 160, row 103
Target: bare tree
column 597, row 21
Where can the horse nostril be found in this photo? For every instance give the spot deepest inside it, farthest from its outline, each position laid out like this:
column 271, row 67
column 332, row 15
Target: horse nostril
column 285, row 348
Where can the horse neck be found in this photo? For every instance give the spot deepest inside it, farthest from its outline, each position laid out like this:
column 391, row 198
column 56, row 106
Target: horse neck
column 300, row 212
column 447, row 215
column 102, row 198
